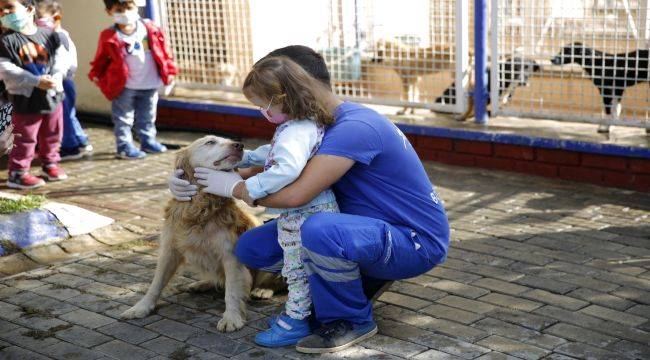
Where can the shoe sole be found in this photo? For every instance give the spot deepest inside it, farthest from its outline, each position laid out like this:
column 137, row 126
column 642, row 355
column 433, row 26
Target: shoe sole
column 365, row 336
column 23, row 187
column 280, row 344
column 121, row 157
column 71, row 157
column 51, row 179
column 153, row 152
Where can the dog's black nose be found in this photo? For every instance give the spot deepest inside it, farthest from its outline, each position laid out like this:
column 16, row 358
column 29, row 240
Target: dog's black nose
column 238, row 146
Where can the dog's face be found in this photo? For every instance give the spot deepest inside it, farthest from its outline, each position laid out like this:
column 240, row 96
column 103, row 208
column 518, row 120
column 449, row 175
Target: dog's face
column 519, row 70
column 569, row 54
column 211, row 152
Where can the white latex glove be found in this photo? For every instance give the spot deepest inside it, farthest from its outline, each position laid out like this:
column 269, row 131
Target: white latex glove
column 220, row 183
column 181, row 189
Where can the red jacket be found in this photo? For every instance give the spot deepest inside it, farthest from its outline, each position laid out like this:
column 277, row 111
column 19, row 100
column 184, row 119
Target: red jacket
column 109, row 70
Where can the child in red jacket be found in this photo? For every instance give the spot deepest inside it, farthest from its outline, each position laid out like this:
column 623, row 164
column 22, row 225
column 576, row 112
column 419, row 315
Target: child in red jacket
column 131, row 63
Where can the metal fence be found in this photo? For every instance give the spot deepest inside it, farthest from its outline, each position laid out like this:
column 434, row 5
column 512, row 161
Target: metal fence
column 378, row 51
column 581, row 60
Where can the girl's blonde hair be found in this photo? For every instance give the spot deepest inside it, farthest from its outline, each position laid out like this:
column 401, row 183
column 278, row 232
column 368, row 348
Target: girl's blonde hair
column 282, row 81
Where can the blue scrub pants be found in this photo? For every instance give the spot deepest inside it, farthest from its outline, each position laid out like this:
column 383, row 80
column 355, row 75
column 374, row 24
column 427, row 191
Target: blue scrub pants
column 73, row 135
column 341, row 250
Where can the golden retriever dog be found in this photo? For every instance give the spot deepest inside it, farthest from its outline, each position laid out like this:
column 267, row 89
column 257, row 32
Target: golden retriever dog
column 202, row 233
column 412, row 62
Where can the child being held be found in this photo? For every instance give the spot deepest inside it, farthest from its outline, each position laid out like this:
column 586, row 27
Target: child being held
column 272, row 85
column 75, row 143
column 32, row 68
column 132, row 62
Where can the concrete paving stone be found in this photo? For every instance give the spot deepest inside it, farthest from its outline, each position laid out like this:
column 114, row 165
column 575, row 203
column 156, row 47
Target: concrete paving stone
column 406, row 301
column 500, row 286
column 181, row 313
column 262, row 354
column 114, row 235
column 18, row 353
column 620, row 267
column 562, row 301
column 20, row 337
column 632, row 350
column 117, row 349
column 68, row 280
column 127, row 332
column 466, row 304
column 44, row 322
column 571, row 317
column 525, row 257
column 478, row 258
column 624, row 280
column 613, row 315
column 633, row 294
column 6, row 326
column 640, row 310
column 624, row 332
column 83, row 337
column 495, row 355
column 23, row 283
column 7, row 292
column 421, row 292
column 87, row 318
column 520, row 333
column 219, row 344
column 584, row 281
column 92, row 302
column 393, row 346
column 585, row 351
column 460, row 289
column 422, row 321
column 552, row 285
column 78, row 269
column 527, row 320
column 81, row 244
column 580, row 334
column 512, row 347
column 550, row 243
column 511, row 302
column 482, row 270
column 9, row 311
column 104, row 290
column 435, row 355
column 194, row 301
column 358, row 352
column 450, row 313
column 58, row 292
column 601, row 298
column 65, row 351
column 438, row 342
column 454, row 275
column 174, row 329
column 171, row 348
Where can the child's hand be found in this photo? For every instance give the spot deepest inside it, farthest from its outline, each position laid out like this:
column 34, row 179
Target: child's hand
column 7, row 140
column 46, row 82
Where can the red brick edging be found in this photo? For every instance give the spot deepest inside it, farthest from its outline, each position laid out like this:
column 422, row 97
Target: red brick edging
column 606, row 170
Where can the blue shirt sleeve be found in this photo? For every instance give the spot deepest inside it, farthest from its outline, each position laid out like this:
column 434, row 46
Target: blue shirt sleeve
column 352, row 139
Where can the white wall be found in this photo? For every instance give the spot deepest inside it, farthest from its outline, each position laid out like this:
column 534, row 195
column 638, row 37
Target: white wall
column 85, row 19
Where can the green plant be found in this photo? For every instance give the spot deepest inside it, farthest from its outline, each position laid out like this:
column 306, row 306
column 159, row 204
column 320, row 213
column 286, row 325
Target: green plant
column 25, row 203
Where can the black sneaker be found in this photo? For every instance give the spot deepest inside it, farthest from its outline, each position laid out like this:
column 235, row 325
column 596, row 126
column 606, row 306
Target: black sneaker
column 336, row 336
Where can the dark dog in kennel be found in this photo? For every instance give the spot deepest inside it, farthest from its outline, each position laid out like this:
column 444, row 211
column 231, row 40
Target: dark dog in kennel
column 513, row 72
column 611, row 73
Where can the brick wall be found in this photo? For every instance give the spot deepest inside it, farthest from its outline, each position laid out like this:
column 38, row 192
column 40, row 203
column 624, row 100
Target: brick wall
column 613, row 171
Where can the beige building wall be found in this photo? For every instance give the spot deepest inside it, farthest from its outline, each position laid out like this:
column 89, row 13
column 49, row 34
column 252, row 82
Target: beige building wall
column 84, row 19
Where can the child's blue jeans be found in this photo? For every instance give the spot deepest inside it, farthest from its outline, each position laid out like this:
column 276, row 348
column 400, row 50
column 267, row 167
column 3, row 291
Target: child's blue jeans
column 73, row 135
column 134, row 109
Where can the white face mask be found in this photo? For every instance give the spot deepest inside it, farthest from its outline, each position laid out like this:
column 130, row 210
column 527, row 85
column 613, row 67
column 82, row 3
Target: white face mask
column 128, row 17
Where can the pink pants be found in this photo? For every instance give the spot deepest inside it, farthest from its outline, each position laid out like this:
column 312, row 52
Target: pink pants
column 46, row 129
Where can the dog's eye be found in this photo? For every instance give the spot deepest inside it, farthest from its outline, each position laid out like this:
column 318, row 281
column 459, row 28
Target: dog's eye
column 211, row 142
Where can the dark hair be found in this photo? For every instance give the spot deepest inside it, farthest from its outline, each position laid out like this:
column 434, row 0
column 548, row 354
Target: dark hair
column 308, row 59
column 282, row 81
column 27, row 2
column 47, row 7
column 110, row 3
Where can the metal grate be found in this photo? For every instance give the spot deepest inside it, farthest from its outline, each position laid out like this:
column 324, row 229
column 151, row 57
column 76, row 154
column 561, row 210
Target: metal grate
column 581, row 60
column 378, row 51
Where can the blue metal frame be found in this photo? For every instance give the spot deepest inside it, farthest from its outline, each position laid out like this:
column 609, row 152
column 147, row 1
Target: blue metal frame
column 481, row 57
column 150, row 11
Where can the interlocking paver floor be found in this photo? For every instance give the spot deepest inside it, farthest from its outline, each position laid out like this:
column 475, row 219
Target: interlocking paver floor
column 537, row 269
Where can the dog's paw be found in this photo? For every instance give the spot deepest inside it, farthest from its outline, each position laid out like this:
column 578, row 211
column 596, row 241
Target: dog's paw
column 230, row 322
column 199, row 287
column 261, row 293
column 138, row 311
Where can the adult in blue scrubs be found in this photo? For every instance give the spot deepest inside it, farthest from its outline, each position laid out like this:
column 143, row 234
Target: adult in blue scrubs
column 392, row 223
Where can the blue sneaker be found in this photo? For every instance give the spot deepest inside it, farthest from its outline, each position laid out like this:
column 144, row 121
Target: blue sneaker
column 336, row 336
column 129, row 152
column 313, row 323
column 285, row 331
column 153, row 147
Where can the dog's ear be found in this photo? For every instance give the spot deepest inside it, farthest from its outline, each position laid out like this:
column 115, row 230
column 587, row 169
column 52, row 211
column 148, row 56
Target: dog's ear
column 183, row 163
